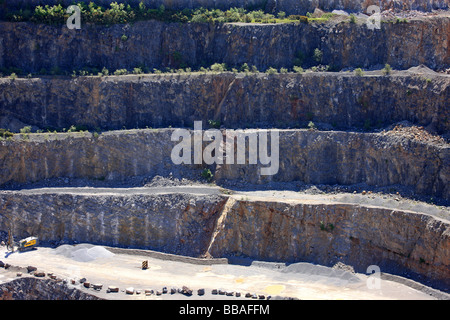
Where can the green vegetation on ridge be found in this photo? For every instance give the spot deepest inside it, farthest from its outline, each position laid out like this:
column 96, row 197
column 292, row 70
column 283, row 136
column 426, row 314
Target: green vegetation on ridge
column 119, row 13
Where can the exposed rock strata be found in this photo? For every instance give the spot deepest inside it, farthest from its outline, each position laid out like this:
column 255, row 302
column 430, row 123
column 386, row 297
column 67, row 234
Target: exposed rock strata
column 396, row 241
column 154, row 44
column 178, row 224
column 313, row 157
column 399, row 242
column 341, row 100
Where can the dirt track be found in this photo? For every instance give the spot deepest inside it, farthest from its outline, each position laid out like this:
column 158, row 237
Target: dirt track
column 372, row 199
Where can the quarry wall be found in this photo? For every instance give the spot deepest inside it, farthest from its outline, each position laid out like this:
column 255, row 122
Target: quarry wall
column 313, row 157
column 399, row 242
column 32, row 47
column 340, row 100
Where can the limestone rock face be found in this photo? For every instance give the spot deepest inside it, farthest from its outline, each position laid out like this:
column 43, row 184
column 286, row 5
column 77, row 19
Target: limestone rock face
column 154, row 44
column 179, row 224
column 397, row 241
column 313, row 157
column 341, row 100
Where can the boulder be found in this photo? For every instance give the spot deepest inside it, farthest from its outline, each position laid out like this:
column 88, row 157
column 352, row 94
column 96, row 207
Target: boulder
column 113, row 289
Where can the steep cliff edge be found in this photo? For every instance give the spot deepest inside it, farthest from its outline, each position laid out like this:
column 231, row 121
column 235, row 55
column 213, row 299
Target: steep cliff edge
column 33, row 47
column 278, row 230
column 313, row 157
column 340, row 99
column 411, row 244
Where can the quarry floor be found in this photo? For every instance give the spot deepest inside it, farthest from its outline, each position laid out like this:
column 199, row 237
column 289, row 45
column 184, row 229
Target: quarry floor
column 122, row 268
column 304, row 281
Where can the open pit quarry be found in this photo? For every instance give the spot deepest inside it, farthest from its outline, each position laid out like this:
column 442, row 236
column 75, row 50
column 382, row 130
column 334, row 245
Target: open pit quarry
column 362, row 173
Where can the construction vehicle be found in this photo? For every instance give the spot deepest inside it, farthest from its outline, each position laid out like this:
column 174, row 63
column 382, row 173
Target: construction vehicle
column 23, row 245
column 28, row 244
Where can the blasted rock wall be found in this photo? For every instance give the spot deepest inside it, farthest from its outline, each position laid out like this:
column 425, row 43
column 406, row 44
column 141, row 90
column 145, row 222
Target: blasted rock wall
column 312, row 157
column 340, row 100
column 399, row 242
column 178, row 224
column 154, row 44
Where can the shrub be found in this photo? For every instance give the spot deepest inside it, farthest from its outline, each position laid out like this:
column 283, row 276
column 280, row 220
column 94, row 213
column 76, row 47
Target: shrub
column 359, row 72
column 318, row 55
column 245, row 68
column 105, row 71
column 79, row 128
column 26, row 129
column 137, row 71
column 49, row 14
column 298, row 69
column 13, row 76
column 259, row 14
column 387, row 69
column 311, row 126
column 207, row 174
column 119, row 72
column 326, row 227
column 247, row 18
column 281, row 15
column 352, row 18
column 218, row 67
column 5, row 133
column 271, row 70
column 119, row 13
column 398, row 20
column 304, row 19
column 214, row 124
